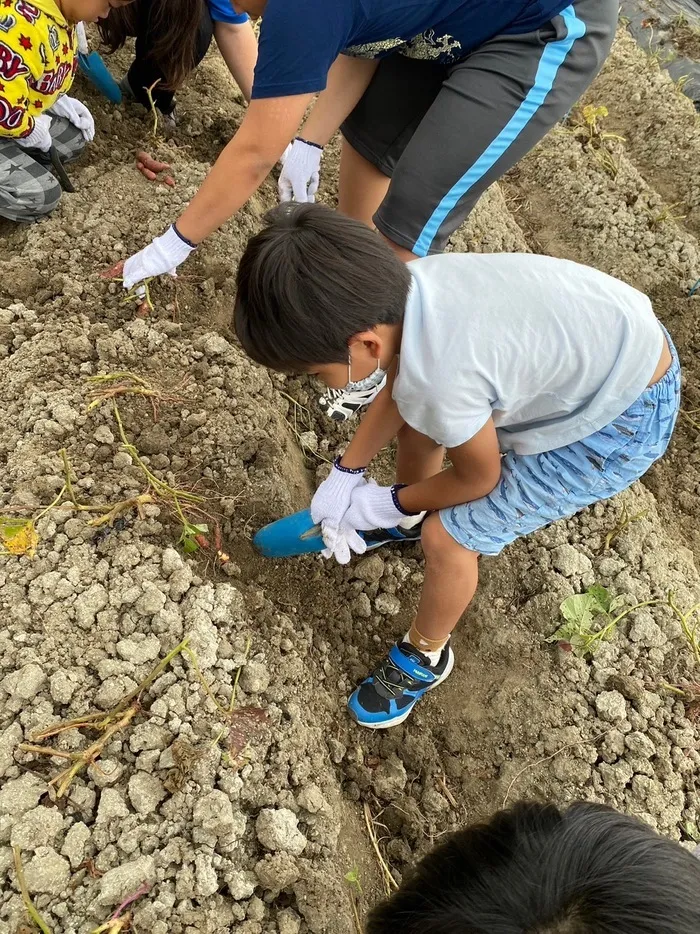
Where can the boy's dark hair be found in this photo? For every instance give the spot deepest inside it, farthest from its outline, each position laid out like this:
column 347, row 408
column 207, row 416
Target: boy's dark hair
column 309, row 281
column 536, row 870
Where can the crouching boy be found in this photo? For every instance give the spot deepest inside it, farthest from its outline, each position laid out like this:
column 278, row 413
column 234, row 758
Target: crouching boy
column 38, row 45
column 551, row 386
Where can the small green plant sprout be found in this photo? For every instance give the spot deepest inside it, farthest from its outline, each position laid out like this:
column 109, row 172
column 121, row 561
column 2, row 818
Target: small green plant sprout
column 625, row 520
column 192, row 537
column 680, row 83
column 664, row 215
column 353, row 879
column 598, row 141
column 591, row 618
column 689, row 621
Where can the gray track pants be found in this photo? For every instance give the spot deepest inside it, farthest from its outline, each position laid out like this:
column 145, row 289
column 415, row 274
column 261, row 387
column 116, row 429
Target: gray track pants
column 28, row 188
column 444, row 133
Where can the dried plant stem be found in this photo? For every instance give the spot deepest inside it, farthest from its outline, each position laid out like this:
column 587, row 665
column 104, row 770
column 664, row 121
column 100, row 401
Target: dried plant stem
column 107, row 724
column 26, row 897
column 152, row 104
column 532, row 765
column 390, row 884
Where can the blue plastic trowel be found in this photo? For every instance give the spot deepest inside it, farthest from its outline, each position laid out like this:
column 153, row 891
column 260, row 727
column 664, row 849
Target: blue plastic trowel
column 95, row 70
column 299, row 535
column 293, row 535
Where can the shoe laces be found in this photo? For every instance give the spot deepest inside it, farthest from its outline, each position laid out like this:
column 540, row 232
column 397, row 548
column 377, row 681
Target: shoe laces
column 391, row 678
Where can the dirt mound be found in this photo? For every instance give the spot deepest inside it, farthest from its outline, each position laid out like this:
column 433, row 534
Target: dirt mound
column 252, row 814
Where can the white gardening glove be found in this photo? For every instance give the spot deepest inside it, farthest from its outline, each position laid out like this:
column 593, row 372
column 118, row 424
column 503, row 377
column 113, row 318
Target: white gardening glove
column 328, row 508
column 76, row 113
column 40, row 137
column 83, row 47
column 161, row 256
column 300, row 173
column 374, row 507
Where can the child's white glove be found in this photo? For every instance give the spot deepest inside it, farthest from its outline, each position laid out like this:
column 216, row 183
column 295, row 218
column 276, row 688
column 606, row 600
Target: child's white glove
column 40, row 137
column 374, row 507
column 328, row 507
column 83, row 47
column 341, row 541
column 76, row 113
column 300, row 173
column 161, row 256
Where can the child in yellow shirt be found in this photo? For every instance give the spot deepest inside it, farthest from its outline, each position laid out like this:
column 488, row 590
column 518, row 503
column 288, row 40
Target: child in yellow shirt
column 38, row 60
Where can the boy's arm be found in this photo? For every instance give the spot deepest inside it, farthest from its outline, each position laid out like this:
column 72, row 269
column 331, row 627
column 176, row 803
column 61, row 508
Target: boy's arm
column 475, row 471
column 380, row 425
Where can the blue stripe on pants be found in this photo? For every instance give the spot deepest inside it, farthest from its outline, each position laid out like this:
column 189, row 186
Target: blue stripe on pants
column 552, row 58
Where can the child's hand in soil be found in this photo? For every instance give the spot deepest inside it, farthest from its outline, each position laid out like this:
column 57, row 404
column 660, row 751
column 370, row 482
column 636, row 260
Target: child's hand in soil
column 150, row 168
column 143, row 305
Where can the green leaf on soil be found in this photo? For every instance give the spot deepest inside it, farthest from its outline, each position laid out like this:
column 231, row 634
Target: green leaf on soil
column 188, row 537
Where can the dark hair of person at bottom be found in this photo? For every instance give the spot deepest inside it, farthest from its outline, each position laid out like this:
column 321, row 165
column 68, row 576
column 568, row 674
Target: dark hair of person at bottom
column 537, row 870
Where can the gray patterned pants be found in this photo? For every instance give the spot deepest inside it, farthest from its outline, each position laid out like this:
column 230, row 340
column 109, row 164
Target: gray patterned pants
column 28, row 188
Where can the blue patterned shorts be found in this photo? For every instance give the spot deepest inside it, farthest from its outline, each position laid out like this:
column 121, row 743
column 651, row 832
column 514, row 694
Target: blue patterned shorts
column 536, row 489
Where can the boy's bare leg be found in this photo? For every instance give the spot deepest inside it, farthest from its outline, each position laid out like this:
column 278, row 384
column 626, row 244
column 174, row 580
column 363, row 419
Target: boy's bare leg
column 418, row 456
column 451, row 576
column 361, row 190
column 451, row 571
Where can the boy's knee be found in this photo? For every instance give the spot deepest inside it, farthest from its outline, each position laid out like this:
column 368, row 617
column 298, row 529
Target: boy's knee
column 68, row 140
column 437, row 542
column 31, row 203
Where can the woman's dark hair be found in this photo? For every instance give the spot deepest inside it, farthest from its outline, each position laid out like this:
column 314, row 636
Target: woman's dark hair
column 309, row 281
column 174, row 24
column 537, row 870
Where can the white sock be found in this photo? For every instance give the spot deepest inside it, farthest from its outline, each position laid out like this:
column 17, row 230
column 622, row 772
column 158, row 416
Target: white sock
column 433, row 657
column 410, row 522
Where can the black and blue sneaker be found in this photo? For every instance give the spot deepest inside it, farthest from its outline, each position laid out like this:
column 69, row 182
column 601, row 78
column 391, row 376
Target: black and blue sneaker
column 395, row 536
column 390, row 693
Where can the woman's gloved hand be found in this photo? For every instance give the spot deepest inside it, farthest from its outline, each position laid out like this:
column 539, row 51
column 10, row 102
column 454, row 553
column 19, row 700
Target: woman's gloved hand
column 163, row 255
column 299, row 178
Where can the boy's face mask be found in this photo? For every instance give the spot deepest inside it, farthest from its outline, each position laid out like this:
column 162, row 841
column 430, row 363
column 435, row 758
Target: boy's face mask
column 369, row 382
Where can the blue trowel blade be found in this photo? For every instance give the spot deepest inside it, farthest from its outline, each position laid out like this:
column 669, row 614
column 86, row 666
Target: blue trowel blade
column 96, row 71
column 293, row 535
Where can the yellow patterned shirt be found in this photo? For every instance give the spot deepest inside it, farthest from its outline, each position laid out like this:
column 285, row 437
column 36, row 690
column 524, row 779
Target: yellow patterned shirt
column 37, row 62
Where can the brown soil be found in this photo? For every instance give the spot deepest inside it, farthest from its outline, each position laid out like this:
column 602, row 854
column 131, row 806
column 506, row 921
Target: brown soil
column 86, row 618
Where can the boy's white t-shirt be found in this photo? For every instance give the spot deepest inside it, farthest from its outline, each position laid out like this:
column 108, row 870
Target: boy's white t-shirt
column 550, row 349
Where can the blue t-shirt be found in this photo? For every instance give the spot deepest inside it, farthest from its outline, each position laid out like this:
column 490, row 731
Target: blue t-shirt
column 221, row 11
column 300, row 39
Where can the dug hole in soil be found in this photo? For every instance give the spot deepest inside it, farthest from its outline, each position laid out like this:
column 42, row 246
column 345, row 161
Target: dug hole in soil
column 258, row 816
